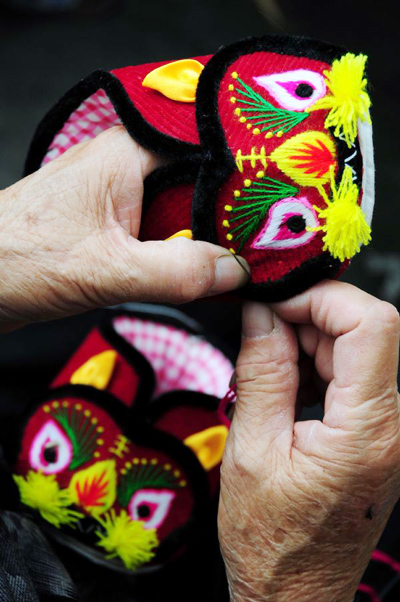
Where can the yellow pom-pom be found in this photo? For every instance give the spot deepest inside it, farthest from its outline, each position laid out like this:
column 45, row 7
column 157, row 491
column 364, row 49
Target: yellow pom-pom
column 127, row 539
column 348, row 100
column 345, row 226
column 42, row 493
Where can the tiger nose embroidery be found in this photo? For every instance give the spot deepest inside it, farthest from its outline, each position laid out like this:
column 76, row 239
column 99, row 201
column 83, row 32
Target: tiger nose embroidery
column 120, row 447
column 94, row 488
column 253, row 157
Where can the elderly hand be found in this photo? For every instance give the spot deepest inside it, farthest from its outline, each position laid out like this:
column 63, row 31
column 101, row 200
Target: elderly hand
column 303, row 504
column 68, row 239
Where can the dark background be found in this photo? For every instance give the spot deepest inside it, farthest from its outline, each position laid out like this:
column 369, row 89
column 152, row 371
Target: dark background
column 44, row 53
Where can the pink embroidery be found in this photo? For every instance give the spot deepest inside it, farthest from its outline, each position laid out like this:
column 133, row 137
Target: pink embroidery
column 157, row 503
column 276, row 233
column 284, row 88
column 50, row 437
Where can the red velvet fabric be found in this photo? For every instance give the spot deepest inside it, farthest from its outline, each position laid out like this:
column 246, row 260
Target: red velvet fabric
column 176, row 119
column 185, row 421
column 124, row 379
column 162, row 219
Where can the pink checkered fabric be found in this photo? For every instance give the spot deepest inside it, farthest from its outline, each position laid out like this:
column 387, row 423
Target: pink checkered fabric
column 180, row 360
column 95, row 115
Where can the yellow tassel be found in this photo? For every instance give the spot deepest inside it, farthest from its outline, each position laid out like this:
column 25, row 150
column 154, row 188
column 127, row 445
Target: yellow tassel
column 43, row 494
column 345, row 227
column 127, row 539
column 349, row 100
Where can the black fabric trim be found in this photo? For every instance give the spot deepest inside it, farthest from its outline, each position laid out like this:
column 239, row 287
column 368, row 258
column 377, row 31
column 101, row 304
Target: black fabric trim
column 147, row 379
column 140, row 130
column 146, row 314
column 295, row 282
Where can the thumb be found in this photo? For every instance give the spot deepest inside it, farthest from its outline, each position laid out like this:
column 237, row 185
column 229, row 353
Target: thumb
column 173, row 271
column 266, row 375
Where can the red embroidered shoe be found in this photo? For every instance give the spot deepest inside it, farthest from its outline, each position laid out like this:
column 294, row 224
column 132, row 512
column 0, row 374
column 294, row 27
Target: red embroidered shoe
column 270, row 148
column 120, row 460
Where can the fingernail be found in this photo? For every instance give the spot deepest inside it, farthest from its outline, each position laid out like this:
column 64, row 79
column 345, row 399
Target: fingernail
column 258, row 320
column 229, row 274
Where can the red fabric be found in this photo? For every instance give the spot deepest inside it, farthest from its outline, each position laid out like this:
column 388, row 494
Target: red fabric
column 185, row 421
column 124, row 379
column 176, row 119
column 163, row 218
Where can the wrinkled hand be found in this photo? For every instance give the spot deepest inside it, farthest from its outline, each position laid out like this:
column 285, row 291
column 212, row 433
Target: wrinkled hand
column 68, row 239
column 303, row 503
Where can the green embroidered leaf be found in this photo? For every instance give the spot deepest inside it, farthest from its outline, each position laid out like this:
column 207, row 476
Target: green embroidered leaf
column 253, row 205
column 144, row 477
column 81, row 432
column 263, row 113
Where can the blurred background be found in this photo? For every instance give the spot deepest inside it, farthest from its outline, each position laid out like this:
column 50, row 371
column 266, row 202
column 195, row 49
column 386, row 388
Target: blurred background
column 46, row 46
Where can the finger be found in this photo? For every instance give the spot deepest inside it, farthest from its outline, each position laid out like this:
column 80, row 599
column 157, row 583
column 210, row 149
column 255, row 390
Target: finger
column 368, row 329
column 108, row 174
column 266, row 377
column 174, row 271
column 319, row 346
column 365, row 354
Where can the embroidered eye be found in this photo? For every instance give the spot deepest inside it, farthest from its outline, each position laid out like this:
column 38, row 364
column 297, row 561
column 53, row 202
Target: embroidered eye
column 51, row 450
column 151, row 506
column 295, row 90
column 286, row 225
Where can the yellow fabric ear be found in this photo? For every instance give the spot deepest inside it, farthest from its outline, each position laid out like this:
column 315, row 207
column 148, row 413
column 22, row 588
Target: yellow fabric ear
column 208, row 445
column 97, row 371
column 184, row 233
column 177, row 81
